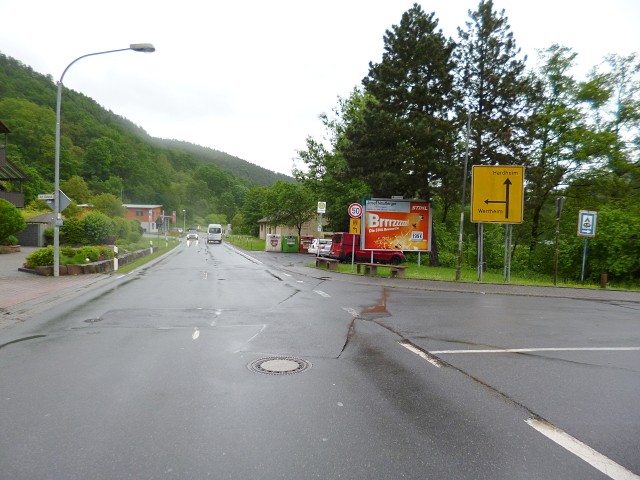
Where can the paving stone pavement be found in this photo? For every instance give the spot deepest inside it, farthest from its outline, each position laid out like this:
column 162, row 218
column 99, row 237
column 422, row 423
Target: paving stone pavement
column 22, row 292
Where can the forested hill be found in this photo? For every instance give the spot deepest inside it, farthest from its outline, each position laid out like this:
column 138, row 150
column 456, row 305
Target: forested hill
column 109, row 152
column 237, row 166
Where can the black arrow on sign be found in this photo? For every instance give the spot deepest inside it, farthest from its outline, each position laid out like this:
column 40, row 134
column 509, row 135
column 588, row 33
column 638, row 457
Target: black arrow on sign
column 507, row 185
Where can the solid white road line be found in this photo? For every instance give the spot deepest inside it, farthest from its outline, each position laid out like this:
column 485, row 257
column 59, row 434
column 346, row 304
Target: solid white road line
column 421, row 353
column 528, row 350
column 607, row 466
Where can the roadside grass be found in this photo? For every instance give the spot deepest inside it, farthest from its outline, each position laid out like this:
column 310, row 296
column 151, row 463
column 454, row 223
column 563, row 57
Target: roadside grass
column 160, row 247
column 246, row 242
column 468, row 274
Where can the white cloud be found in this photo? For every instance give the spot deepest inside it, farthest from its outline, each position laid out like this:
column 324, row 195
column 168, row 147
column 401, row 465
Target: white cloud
column 250, row 78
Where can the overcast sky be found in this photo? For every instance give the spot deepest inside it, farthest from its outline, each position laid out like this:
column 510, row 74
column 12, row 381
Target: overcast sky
column 251, row 77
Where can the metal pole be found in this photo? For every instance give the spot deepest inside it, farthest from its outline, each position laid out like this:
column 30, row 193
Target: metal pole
column 507, row 252
column 584, row 259
column 480, row 250
column 56, row 185
column 464, row 187
column 137, row 47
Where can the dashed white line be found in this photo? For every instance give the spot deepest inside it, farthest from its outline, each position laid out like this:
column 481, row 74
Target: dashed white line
column 594, row 458
column 322, row 294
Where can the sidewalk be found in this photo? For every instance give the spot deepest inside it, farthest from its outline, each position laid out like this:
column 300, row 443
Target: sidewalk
column 22, row 292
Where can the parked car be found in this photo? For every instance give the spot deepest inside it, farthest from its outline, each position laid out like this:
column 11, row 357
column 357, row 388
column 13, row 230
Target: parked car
column 325, row 246
column 192, row 234
column 342, row 247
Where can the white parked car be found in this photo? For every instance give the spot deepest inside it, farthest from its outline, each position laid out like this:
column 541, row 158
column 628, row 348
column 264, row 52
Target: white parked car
column 325, row 247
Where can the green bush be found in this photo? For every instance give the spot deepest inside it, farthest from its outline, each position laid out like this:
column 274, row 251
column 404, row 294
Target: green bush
column 72, row 232
column 48, row 235
column 11, row 240
column 68, row 251
column 11, row 222
column 88, row 252
column 40, row 258
column 122, row 227
column 105, row 253
column 99, row 229
column 134, row 237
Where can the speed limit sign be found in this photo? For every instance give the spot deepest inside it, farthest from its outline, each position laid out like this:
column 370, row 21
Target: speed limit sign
column 355, row 210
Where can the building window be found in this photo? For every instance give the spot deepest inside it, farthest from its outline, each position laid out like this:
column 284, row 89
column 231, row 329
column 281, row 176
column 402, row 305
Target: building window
column 139, row 213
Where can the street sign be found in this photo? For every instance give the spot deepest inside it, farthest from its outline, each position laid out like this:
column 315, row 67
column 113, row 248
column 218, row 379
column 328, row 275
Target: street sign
column 63, row 200
column 354, row 225
column 587, row 223
column 497, row 194
column 322, row 207
column 355, row 210
column 50, row 199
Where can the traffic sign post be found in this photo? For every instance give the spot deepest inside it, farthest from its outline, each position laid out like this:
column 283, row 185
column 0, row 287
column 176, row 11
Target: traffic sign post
column 497, row 194
column 355, row 210
column 587, row 221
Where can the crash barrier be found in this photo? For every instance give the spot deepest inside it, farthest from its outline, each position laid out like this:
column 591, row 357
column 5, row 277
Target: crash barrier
column 330, row 263
column 371, row 269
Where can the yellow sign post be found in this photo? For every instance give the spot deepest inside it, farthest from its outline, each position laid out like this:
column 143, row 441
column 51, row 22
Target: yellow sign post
column 497, row 194
column 354, row 225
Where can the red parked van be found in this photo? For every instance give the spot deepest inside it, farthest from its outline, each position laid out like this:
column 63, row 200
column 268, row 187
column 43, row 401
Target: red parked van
column 342, row 246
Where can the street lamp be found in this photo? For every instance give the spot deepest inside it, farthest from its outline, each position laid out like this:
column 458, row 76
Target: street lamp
column 136, row 47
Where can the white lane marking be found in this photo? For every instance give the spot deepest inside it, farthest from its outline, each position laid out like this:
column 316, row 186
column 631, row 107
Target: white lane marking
column 422, row 354
column 598, row 461
column 263, row 326
column 352, row 311
column 196, row 333
column 526, row 350
column 322, row 294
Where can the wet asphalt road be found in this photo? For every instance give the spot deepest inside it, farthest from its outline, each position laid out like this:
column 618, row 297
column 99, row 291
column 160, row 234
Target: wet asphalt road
column 153, row 376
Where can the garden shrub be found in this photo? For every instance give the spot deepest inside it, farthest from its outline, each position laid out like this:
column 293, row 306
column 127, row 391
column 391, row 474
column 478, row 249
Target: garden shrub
column 72, row 232
column 88, row 252
column 11, row 222
column 105, row 253
column 98, row 228
column 40, row 258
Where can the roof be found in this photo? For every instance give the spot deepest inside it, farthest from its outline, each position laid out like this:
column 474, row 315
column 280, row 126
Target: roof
column 135, row 205
column 4, row 128
column 9, row 171
column 43, row 218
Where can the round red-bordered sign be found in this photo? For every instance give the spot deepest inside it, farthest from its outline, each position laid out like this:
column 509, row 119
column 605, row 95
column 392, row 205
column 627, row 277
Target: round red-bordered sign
column 355, row 210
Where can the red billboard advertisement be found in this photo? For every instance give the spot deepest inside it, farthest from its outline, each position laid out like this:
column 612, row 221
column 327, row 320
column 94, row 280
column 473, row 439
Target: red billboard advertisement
column 391, row 224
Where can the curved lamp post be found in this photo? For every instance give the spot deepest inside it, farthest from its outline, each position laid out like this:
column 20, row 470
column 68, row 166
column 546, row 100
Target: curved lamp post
column 136, row 47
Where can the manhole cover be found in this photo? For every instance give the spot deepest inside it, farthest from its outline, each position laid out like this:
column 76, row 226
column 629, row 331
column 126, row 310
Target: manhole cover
column 279, row 365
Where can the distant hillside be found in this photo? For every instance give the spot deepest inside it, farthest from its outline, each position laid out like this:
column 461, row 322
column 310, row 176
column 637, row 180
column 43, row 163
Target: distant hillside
column 237, row 166
column 107, row 153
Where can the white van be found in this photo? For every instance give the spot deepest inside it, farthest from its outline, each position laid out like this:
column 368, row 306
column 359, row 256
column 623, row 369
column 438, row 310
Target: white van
column 214, row 233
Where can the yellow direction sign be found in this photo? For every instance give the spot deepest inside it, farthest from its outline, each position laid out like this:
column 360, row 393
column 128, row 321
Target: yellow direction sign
column 497, row 194
column 354, row 225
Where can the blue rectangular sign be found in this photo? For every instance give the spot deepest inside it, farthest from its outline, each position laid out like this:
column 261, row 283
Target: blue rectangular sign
column 587, row 223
